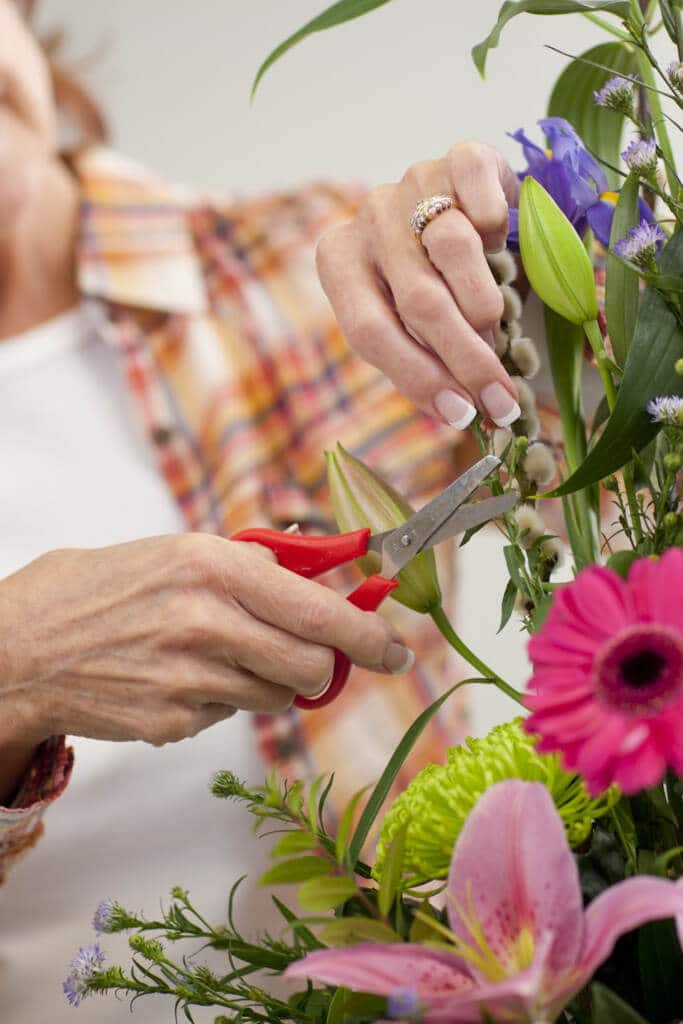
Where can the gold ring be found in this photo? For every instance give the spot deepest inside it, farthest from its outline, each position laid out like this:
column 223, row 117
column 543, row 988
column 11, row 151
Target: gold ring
column 427, row 210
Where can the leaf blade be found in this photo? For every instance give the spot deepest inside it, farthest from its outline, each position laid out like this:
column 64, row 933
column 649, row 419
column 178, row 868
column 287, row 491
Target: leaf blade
column 622, row 286
column 336, row 14
column 512, row 8
column 649, row 371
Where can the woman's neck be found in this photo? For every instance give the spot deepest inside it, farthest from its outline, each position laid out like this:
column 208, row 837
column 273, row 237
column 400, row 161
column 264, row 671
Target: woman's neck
column 38, row 256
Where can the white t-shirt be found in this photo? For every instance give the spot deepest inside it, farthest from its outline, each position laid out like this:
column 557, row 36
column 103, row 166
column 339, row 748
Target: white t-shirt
column 76, row 470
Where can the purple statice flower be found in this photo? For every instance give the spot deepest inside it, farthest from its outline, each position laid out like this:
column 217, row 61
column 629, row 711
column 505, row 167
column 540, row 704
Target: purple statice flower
column 675, row 73
column 573, row 178
column 403, row 1003
column 641, row 245
column 666, row 409
column 616, row 94
column 641, row 156
column 82, row 968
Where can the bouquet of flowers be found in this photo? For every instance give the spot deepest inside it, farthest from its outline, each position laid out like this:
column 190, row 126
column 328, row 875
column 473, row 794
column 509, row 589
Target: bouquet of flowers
column 537, row 875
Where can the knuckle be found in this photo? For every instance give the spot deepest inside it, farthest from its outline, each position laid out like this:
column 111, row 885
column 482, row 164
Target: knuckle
column 374, row 207
column 488, row 308
column 194, row 559
column 418, row 300
column 469, row 155
column 419, row 174
column 313, row 617
column 452, row 239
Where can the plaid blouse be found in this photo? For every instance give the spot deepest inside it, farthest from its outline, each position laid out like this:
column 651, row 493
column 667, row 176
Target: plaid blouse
column 241, row 378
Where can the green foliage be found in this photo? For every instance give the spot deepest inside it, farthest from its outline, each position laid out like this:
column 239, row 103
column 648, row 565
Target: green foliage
column 649, row 371
column 336, row 14
column 623, row 284
column 608, row 1008
column 512, row 8
column 572, row 98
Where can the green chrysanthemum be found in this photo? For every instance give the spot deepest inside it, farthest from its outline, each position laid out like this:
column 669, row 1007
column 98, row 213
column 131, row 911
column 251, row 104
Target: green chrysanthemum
column 437, row 802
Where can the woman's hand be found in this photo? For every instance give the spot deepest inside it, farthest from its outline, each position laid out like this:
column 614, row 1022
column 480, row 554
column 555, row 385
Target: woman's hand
column 425, row 314
column 160, row 638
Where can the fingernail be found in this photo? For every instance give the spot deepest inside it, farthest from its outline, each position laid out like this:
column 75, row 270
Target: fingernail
column 455, row 409
column 398, row 659
column 489, row 337
column 500, row 405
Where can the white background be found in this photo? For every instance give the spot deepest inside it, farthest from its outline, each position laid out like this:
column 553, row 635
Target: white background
column 360, row 102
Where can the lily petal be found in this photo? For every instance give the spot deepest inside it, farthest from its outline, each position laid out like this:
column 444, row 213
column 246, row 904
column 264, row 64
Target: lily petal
column 514, row 872
column 384, row 968
column 620, row 909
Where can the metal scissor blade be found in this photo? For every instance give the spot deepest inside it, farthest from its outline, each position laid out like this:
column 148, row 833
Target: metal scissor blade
column 474, row 514
column 400, row 546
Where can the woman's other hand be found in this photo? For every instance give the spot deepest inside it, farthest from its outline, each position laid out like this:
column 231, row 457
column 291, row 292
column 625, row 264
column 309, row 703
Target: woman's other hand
column 425, row 314
column 158, row 639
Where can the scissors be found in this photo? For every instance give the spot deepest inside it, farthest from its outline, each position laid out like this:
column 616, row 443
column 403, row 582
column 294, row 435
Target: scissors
column 445, row 516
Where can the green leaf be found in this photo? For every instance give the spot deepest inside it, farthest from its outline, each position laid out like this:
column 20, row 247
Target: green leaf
column 303, row 934
column 294, row 842
column 608, row 1008
column 661, row 970
column 393, row 869
column 572, row 98
column 514, row 559
column 622, row 285
column 512, row 8
column 300, row 869
column 325, row 893
column 336, row 14
column 347, row 931
column 346, row 824
column 507, row 604
column 381, row 790
column 649, row 371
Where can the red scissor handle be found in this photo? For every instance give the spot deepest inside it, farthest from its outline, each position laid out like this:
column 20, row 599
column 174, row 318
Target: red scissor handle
column 368, row 597
column 309, row 556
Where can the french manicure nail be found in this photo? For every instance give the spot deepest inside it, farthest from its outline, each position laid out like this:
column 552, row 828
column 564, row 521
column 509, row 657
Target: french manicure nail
column 455, row 409
column 500, row 405
column 398, row 659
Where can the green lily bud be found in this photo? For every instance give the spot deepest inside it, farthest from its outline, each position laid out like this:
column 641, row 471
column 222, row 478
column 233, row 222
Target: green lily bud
column 554, row 258
column 360, row 498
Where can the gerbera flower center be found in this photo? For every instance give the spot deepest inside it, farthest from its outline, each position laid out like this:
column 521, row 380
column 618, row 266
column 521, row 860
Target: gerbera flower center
column 641, row 669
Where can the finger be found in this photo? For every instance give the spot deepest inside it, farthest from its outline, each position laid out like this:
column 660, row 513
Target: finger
column 455, row 248
column 426, row 305
column 485, row 186
column 277, row 656
column 372, row 328
column 310, row 611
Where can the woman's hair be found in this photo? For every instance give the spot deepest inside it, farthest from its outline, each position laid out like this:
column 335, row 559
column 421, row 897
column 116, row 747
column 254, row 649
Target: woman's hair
column 82, row 114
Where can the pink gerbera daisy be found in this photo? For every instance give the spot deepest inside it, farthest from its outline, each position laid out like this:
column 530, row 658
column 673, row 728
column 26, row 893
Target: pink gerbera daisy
column 607, row 688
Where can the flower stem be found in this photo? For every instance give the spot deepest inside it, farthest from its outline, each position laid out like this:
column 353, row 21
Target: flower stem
column 594, row 336
column 445, row 628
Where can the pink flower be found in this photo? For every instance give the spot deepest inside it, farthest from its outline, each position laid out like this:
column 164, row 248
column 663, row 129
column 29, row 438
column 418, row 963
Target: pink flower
column 607, row 688
column 522, row 943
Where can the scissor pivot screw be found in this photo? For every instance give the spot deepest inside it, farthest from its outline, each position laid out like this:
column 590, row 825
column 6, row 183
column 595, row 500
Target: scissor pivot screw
column 406, row 540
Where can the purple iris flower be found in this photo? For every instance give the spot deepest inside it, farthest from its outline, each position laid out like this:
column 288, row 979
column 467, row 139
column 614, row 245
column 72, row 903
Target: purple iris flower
column 574, row 179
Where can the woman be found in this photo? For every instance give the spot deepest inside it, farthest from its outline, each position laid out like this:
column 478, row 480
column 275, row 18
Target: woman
column 169, row 364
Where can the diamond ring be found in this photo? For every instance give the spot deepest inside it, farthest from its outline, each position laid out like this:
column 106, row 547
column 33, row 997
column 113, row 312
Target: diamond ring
column 427, row 209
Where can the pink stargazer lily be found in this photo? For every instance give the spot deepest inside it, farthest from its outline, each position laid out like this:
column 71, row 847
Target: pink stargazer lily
column 522, row 943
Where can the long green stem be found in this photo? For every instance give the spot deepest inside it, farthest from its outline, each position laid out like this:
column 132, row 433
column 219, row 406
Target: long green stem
column 594, row 336
column 606, row 26
column 630, row 489
column 443, row 624
column 658, row 120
